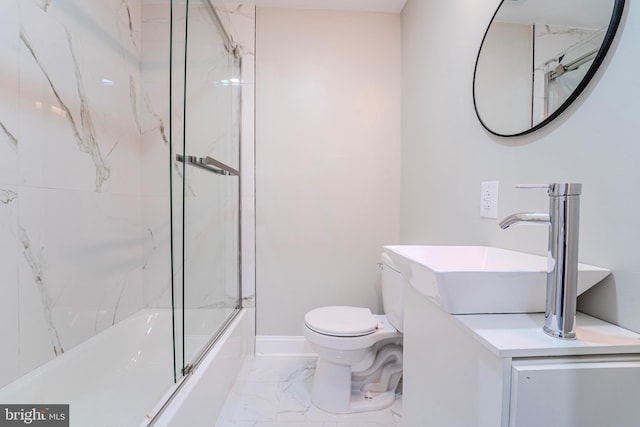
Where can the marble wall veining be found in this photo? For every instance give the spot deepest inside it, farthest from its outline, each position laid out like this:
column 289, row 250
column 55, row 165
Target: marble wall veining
column 213, row 129
column 207, row 94
column 69, row 178
column 84, row 154
column 155, row 124
column 9, row 297
column 555, row 44
column 211, row 200
column 240, row 21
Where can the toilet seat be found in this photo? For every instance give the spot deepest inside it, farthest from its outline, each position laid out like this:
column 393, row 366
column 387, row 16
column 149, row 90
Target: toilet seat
column 341, row 321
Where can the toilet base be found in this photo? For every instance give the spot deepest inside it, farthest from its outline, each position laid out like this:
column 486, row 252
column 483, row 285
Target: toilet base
column 376, row 401
column 332, row 391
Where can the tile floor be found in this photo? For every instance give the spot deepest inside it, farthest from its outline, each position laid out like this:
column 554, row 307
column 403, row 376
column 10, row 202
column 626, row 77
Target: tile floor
column 273, row 391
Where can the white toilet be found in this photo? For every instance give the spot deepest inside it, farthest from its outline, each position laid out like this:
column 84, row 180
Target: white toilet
column 359, row 353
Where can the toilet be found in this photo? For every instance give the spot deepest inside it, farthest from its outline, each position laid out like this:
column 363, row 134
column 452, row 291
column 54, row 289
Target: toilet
column 359, row 353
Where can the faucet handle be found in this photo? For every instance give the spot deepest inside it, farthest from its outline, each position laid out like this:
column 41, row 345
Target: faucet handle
column 555, row 189
column 533, row 186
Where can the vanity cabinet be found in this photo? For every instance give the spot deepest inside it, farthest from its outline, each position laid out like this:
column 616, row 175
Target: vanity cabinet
column 577, row 391
column 502, row 370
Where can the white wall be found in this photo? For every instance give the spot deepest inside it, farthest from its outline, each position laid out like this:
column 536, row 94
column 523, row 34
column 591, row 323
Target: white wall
column 446, row 153
column 508, row 44
column 327, row 160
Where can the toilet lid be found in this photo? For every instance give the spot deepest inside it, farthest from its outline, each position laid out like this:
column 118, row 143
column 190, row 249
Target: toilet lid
column 341, row 321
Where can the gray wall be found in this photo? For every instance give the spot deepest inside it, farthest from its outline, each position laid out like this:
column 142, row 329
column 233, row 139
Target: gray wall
column 327, row 160
column 446, row 153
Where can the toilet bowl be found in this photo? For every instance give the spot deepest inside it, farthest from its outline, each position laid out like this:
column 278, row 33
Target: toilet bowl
column 359, row 353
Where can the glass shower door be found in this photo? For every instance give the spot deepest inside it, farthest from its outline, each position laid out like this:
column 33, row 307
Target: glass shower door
column 211, row 182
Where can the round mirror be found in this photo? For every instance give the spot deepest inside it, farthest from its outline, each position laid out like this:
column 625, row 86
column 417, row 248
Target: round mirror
column 536, row 57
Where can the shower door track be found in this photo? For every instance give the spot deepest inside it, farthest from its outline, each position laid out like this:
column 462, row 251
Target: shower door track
column 190, row 368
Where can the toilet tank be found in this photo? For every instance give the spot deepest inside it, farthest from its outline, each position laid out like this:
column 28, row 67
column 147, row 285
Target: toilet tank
column 392, row 292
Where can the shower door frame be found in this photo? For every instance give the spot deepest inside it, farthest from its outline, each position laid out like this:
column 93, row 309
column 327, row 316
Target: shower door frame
column 212, row 165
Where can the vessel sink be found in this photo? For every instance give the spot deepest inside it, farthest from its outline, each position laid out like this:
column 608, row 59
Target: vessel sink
column 482, row 279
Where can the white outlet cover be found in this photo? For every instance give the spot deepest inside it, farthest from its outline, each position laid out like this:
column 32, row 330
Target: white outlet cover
column 489, row 199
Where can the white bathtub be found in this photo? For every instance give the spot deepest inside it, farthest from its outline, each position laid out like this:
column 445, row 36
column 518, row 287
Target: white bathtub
column 122, row 376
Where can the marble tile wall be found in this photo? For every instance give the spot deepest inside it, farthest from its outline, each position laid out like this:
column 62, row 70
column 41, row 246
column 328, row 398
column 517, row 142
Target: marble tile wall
column 240, row 21
column 9, row 296
column 156, row 126
column 552, row 42
column 211, row 100
column 211, row 129
column 70, row 212
column 84, row 156
column 216, row 92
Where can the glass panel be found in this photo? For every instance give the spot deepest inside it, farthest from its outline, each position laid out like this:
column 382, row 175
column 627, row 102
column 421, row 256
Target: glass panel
column 212, row 77
column 176, row 172
column 85, row 304
column 211, row 194
column 211, row 257
column 567, row 69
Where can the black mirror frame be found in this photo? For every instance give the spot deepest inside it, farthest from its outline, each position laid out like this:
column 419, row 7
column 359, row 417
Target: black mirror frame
column 614, row 23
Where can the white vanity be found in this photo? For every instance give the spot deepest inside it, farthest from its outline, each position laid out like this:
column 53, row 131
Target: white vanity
column 489, row 370
column 463, row 368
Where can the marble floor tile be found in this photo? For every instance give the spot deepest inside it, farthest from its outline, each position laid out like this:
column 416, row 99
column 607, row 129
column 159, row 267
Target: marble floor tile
column 274, row 391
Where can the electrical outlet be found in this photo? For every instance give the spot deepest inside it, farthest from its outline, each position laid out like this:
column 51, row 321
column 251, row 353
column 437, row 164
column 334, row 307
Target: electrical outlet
column 489, row 199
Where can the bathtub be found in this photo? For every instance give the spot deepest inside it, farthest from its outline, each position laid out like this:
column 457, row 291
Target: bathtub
column 123, row 376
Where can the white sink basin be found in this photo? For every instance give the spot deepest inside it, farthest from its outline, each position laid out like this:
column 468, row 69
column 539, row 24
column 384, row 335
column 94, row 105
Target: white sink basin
column 482, row 279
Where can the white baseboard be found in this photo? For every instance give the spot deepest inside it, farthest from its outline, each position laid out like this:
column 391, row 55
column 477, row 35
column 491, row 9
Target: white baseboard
column 269, row 345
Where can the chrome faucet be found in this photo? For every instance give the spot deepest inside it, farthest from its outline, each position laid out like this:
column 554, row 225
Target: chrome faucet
column 562, row 273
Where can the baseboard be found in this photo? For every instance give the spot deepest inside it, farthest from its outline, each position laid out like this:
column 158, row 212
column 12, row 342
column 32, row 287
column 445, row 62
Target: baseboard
column 269, row 345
